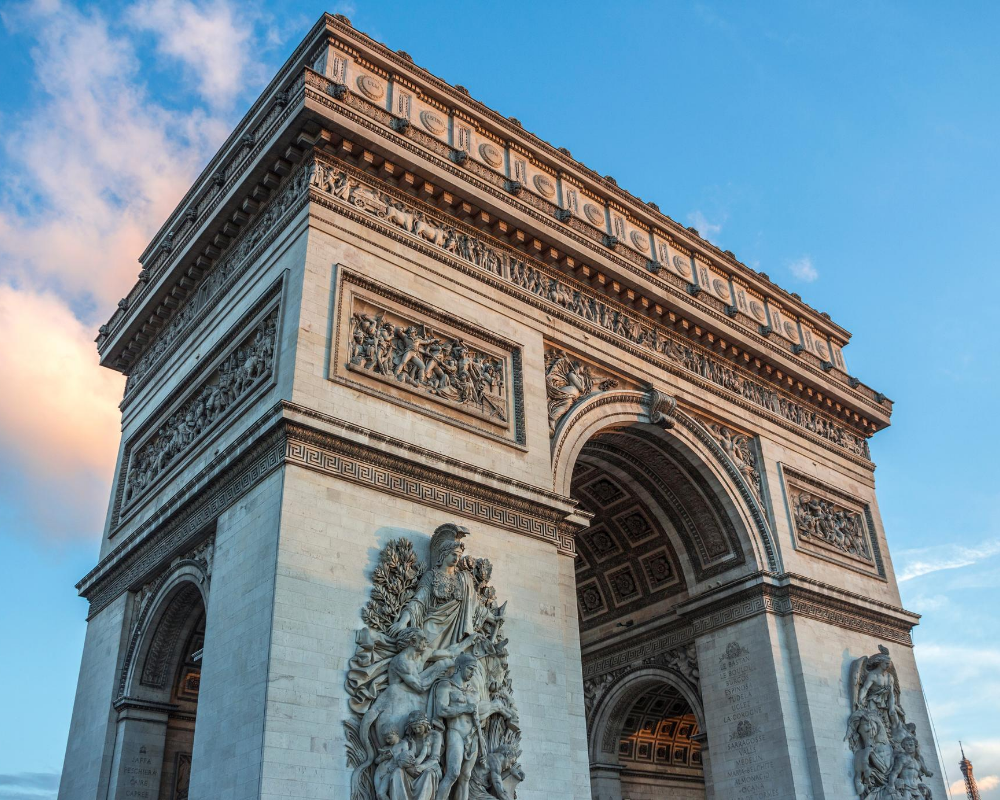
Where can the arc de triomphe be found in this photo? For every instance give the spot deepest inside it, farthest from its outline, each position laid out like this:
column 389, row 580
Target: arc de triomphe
column 449, row 468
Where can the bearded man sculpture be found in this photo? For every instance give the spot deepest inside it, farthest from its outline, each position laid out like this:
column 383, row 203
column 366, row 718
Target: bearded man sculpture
column 431, row 662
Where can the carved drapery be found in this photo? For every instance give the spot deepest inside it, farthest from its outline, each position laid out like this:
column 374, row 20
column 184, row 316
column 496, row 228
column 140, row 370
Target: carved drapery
column 464, row 244
column 430, row 692
column 568, row 380
column 887, row 760
column 817, row 518
column 742, row 451
column 831, row 524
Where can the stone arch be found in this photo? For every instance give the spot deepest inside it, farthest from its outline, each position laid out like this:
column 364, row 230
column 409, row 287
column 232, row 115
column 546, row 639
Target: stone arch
column 163, row 610
column 160, row 681
column 609, row 713
column 675, row 433
column 608, row 718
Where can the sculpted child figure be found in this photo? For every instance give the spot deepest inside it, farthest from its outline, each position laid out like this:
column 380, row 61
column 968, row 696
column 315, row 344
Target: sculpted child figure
column 397, row 754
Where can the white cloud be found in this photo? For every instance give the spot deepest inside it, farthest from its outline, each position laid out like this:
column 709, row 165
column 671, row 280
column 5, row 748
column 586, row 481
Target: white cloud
column 211, row 41
column 915, row 563
column 804, row 269
column 957, row 789
column 99, row 163
column 706, row 229
column 94, row 167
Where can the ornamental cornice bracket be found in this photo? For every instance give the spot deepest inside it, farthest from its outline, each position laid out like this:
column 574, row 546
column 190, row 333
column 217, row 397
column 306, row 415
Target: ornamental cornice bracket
column 662, row 408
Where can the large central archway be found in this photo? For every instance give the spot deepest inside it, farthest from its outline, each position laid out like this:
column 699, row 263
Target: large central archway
column 671, row 517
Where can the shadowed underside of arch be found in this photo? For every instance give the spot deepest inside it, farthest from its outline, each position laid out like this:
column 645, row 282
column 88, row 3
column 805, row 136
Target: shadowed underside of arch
column 680, row 469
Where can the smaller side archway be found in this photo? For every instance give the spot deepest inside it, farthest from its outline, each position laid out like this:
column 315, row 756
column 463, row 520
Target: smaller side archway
column 160, row 682
column 644, row 738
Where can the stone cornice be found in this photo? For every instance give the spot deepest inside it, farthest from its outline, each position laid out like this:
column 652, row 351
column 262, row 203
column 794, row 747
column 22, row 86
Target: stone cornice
column 394, row 66
column 782, row 595
column 291, row 434
column 216, row 192
column 425, row 167
column 499, row 275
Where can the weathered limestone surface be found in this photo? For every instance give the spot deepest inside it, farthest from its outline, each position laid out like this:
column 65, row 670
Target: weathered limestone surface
column 238, row 646
column 384, row 308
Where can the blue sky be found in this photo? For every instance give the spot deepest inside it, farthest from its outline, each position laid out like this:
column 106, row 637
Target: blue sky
column 846, row 149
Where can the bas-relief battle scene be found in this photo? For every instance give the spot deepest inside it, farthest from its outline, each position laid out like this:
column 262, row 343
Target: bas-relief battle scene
column 449, row 468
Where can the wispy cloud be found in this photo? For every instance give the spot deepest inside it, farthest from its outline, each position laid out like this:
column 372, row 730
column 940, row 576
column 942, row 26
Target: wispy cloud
column 28, row 785
column 921, row 561
column 804, row 269
column 957, row 789
column 210, row 40
column 91, row 171
column 703, row 225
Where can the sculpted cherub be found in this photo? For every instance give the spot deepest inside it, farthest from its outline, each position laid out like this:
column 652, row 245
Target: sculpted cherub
column 397, row 754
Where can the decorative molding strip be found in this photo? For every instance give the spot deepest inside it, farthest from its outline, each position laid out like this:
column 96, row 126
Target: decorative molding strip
column 740, row 448
column 241, row 365
column 274, row 441
column 399, row 214
column 158, row 539
column 252, row 241
column 246, row 148
column 374, row 119
column 760, row 599
column 750, row 499
column 831, row 524
column 388, row 473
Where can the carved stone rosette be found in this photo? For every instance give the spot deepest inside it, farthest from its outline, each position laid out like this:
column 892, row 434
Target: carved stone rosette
column 430, row 692
column 887, row 760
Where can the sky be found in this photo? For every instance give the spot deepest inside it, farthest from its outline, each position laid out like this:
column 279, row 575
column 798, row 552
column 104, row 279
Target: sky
column 847, row 149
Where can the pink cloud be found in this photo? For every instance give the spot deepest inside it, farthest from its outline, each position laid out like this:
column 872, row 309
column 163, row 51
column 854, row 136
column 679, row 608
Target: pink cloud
column 103, row 163
column 59, row 421
column 99, row 163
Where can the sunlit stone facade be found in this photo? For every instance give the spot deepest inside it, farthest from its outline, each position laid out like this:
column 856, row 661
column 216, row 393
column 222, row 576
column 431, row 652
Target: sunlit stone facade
column 385, row 311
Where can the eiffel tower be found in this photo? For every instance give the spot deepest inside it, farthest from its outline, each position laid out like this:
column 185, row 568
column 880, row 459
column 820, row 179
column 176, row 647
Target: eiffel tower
column 971, row 790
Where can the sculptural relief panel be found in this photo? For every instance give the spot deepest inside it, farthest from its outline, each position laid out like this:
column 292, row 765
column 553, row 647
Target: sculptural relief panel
column 432, row 705
column 415, row 354
column 570, row 379
column 887, row 760
column 589, row 307
column 831, row 524
column 243, row 362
